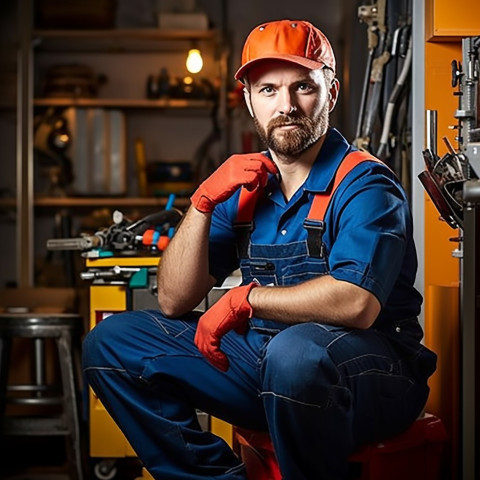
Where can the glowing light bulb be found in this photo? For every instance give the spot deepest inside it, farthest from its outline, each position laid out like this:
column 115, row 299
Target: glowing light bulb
column 194, row 60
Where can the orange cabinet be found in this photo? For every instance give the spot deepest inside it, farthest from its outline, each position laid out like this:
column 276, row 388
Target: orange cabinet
column 445, row 19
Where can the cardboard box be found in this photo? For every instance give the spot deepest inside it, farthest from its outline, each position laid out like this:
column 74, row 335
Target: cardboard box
column 183, row 21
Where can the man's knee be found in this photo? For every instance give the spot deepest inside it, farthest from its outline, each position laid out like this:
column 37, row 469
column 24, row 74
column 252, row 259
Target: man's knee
column 298, row 366
column 104, row 340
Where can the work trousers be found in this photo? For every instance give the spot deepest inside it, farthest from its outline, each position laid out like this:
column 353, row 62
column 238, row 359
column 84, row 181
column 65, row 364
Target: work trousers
column 321, row 391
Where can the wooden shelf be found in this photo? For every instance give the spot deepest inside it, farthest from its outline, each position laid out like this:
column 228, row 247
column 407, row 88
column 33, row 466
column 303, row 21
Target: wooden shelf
column 140, row 33
column 122, row 40
column 124, row 103
column 105, row 201
column 8, row 203
column 92, row 202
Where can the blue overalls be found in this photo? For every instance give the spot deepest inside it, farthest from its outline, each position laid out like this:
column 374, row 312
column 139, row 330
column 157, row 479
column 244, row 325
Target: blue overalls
column 320, row 390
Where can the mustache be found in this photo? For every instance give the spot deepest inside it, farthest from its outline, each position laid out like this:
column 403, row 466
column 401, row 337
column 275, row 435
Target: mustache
column 284, row 120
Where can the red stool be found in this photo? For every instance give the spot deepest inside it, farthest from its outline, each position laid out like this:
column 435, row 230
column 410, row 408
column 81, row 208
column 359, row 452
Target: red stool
column 413, row 455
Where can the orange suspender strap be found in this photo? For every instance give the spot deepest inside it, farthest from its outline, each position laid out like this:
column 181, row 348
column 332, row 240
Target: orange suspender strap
column 244, row 221
column 314, row 223
column 321, row 200
column 246, row 205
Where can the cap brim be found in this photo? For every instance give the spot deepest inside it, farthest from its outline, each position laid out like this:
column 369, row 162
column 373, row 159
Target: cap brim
column 304, row 62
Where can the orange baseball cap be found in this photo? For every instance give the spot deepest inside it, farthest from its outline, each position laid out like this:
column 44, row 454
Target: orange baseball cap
column 295, row 41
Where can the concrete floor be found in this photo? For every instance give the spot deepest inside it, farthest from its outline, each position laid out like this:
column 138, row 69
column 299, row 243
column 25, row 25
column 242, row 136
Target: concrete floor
column 44, row 458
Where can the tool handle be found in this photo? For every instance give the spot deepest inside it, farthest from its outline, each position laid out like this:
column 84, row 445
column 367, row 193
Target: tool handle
column 80, row 243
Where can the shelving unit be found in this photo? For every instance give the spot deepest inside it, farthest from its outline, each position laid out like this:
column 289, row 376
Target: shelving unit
column 112, row 44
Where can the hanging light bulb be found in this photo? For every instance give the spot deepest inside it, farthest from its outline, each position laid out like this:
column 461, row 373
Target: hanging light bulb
column 194, row 60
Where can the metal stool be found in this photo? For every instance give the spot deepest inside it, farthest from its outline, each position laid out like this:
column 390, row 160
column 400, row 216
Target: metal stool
column 64, row 329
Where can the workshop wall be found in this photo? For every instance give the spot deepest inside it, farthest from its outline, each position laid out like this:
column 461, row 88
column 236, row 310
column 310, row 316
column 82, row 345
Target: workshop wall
column 8, row 123
column 337, row 18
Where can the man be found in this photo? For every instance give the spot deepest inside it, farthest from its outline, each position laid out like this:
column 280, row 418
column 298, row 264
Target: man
column 320, row 345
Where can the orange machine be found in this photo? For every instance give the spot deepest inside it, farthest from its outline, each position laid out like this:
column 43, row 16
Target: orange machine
column 445, row 26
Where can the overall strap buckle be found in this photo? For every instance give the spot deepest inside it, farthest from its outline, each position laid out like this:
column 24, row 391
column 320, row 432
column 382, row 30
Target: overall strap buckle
column 315, row 245
column 244, row 230
column 244, row 224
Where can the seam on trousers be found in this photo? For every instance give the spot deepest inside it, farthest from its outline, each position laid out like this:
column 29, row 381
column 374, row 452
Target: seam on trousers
column 160, row 324
column 362, row 356
column 283, row 397
column 382, row 374
column 337, row 338
column 121, row 370
column 116, row 370
column 321, row 325
column 240, row 467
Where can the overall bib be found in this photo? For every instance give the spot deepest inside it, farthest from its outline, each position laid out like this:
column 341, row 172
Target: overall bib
column 320, row 390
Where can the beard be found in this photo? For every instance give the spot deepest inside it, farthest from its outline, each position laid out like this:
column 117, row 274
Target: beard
column 292, row 143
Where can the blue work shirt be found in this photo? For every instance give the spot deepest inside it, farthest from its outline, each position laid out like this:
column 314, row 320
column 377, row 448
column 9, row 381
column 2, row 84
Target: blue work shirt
column 368, row 235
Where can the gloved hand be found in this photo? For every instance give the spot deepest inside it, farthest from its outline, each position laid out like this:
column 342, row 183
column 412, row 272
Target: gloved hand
column 249, row 170
column 231, row 312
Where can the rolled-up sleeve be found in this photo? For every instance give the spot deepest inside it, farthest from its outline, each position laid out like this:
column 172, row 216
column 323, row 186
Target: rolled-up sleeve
column 369, row 238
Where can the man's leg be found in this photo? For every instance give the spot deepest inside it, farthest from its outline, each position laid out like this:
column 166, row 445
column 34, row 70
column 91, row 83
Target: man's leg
column 326, row 390
column 150, row 376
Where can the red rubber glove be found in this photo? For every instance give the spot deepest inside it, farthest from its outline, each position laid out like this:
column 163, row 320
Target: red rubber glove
column 249, row 170
column 231, row 312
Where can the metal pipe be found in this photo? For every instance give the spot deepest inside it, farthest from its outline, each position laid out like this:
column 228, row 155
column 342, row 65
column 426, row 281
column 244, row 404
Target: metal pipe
column 431, row 120
column 25, row 147
column 39, row 352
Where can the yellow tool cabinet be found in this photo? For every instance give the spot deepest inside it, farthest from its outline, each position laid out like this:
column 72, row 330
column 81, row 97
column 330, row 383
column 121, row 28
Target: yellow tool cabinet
column 122, row 283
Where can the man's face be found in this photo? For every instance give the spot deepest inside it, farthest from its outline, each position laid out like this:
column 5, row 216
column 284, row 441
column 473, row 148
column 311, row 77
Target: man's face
column 290, row 105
